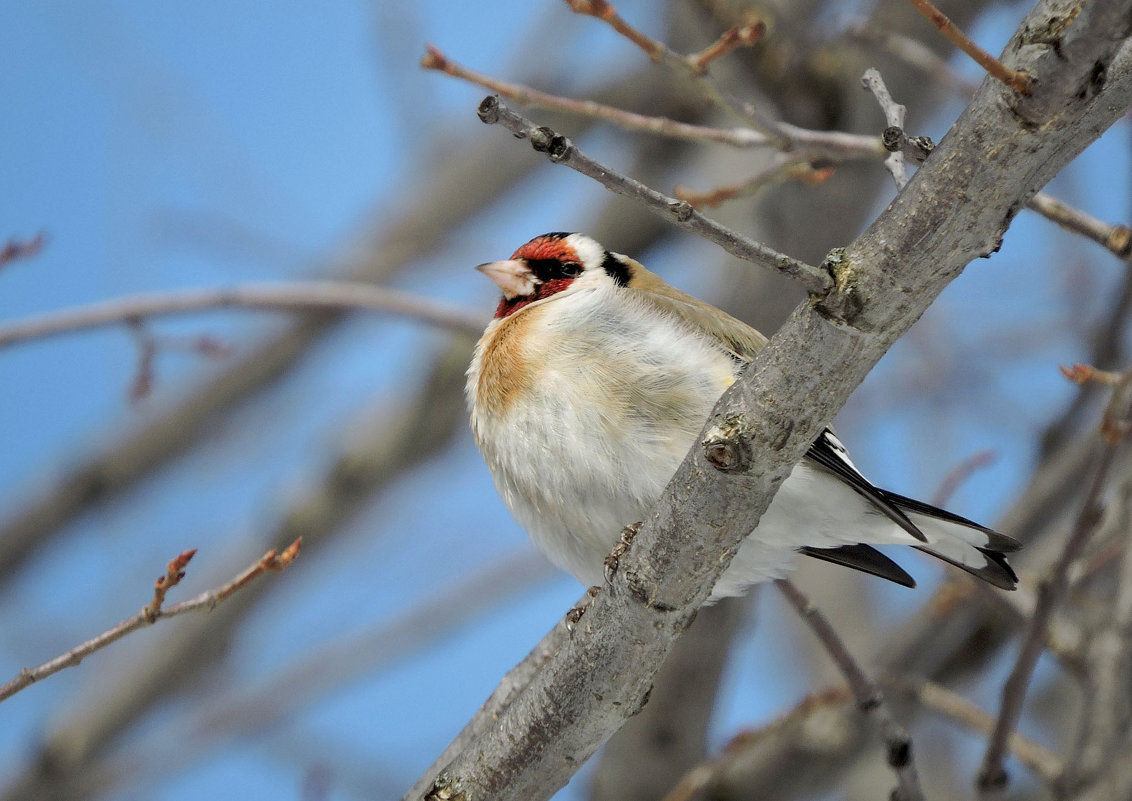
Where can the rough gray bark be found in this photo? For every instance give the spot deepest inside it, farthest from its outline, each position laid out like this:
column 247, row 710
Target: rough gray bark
column 957, row 207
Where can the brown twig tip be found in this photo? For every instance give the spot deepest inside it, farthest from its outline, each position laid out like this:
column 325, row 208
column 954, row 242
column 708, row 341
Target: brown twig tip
column 272, row 561
column 604, row 10
column 810, row 174
column 702, row 200
column 174, row 572
column 1119, row 241
column 1018, row 80
column 1084, row 374
column 1116, row 238
column 278, row 562
column 803, row 172
column 15, row 249
column 178, row 564
column 433, row 59
column 211, row 347
column 593, row 8
column 739, row 36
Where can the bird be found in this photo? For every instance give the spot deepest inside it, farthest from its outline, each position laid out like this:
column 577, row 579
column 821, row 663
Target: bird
column 591, row 384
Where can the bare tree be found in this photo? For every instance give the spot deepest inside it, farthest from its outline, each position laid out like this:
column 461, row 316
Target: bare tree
column 775, row 97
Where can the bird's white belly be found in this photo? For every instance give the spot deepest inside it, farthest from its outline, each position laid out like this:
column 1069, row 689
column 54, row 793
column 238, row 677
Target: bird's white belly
column 575, row 516
column 599, row 483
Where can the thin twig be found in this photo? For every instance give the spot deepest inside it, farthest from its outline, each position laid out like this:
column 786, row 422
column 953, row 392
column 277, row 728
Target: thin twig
column 149, row 344
column 1043, row 762
column 868, row 694
column 960, row 473
column 894, row 115
column 784, row 166
column 662, row 54
column 174, row 572
column 283, row 296
column 604, row 10
column 913, row 53
column 702, row 776
column 1082, row 374
column 1106, row 707
column 1017, row 80
column 15, row 249
column 272, row 561
column 1116, row 238
column 1051, row 590
column 142, row 383
column 804, row 143
column 739, row 36
column 434, row 59
column 561, row 150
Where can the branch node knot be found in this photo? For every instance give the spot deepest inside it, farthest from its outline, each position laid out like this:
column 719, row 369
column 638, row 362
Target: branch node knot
column 444, row 789
column 725, row 446
column 869, row 702
column 1120, row 241
column 488, row 110
column 613, row 561
column 555, row 145
column 899, row 751
column 994, row 780
column 892, row 138
column 843, row 303
column 682, row 210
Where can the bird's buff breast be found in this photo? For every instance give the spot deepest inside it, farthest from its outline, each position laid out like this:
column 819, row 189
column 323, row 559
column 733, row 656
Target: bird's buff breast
column 583, row 421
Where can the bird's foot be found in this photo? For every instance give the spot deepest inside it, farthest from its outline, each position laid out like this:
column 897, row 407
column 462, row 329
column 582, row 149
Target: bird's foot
column 575, row 614
column 613, row 561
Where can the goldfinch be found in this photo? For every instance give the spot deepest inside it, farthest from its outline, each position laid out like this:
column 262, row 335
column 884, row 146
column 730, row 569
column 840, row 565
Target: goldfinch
column 593, row 381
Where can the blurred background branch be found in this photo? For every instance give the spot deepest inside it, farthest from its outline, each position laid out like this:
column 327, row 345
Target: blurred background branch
column 225, row 148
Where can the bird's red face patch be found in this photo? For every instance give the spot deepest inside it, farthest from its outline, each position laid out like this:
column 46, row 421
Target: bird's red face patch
column 553, row 263
column 546, row 247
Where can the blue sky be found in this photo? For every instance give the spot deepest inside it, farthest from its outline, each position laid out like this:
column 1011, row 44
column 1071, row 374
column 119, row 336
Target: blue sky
column 160, row 146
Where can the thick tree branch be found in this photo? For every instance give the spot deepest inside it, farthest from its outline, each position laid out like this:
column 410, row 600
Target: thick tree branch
column 884, row 281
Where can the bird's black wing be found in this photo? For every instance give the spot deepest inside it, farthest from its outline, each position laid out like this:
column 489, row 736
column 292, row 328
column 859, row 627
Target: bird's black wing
column 995, row 540
column 828, row 452
column 864, row 558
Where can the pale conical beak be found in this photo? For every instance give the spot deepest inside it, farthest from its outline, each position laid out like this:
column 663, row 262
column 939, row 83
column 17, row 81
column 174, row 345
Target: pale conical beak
column 514, row 277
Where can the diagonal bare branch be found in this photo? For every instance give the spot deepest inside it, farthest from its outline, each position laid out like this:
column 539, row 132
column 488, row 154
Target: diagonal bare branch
column 296, row 296
column 561, row 150
column 272, row 561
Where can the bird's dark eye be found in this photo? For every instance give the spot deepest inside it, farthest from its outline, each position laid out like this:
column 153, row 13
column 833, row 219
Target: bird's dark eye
column 554, row 269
